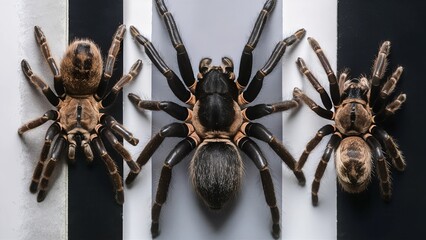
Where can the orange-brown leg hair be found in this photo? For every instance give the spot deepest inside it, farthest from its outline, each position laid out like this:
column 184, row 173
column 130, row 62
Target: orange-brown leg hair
column 51, row 133
column 331, row 146
column 322, row 132
column 58, row 147
column 45, row 50
column 334, row 87
column 111, row 167
column 382, row 166
column 110, row 61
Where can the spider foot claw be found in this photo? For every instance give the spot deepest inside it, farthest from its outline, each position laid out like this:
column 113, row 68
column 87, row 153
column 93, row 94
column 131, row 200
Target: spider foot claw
column 276, row 231
column 119, row 197
column 41, row 195
column 34, row 187
column 314, row 200
column 154, row 229
column 300, row 177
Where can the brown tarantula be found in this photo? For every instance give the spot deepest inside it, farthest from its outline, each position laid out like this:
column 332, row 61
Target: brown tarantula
column 217, row 122
column 81, row 96
column 359, row 106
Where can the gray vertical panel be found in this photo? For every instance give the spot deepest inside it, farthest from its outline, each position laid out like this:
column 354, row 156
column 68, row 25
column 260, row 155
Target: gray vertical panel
column 216, row 29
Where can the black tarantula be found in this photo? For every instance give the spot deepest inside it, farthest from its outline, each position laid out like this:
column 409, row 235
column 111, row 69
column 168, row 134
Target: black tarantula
column 216, row 121
column 359, row 106
column 81, row 95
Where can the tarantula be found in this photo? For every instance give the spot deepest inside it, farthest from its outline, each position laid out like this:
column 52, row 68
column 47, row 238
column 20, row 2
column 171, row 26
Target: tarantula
column 216, row 121
column 360, row 104
column 81, row 96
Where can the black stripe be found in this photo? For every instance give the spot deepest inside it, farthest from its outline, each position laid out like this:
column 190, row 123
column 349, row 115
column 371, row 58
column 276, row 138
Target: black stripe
column 92, row 210
column 363, row 26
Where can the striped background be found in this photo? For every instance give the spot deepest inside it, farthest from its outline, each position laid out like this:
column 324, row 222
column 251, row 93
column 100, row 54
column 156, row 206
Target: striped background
column 80, row 203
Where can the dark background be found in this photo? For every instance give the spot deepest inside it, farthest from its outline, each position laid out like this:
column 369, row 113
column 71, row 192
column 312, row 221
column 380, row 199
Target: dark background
column 92, row 210
column 362, row 27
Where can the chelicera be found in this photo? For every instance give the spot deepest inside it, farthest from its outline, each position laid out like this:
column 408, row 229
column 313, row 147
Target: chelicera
column 360, row 106
column 80, row 100
column 217, row 122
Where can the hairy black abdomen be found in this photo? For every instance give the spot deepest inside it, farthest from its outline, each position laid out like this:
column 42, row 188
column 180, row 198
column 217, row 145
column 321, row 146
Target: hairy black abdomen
column 216, row 173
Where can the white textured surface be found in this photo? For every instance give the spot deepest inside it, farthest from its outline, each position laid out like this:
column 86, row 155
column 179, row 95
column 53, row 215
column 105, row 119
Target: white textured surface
column 302, row 220
column 21, row 216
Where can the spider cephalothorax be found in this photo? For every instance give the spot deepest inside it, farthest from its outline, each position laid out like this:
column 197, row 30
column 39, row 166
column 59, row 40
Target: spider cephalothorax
column 80, row 99
column 217, row 123
column 359, row 106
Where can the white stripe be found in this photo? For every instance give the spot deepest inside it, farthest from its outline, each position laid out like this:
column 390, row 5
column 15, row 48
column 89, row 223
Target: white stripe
column 21, row 216
column 137, row 207
column 301, row 219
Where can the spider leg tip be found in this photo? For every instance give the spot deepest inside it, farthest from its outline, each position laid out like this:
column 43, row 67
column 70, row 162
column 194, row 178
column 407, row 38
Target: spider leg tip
column 300, row 33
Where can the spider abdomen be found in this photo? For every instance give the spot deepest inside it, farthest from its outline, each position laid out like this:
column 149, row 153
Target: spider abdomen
column 353, row 164
column 216, row 172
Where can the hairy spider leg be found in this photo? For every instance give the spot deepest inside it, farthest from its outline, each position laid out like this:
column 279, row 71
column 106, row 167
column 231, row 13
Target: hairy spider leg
column 109, row 64
column 49, row 115
column 253, row 151
column 39, row 83
column 98, row 145
column 246, row 61
column 378, row 71
column 390, row 109
column 172, row 130
column 58, row 147
column 109, row 136
column 184, row 63
column 261, row 110
column 51, row 133
column 388, row 143
column 176, row 111
column 321, row 133
column 109, row 98
column 313, row 80
column 175, row 84
column 320, row 111
column 119, row 129
column 334, row 85
column 182, row 149
column 387, row 89
column 382, row 166
column 253, row 88
column 332, row 145
column 45, row 50
column 260, row 132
